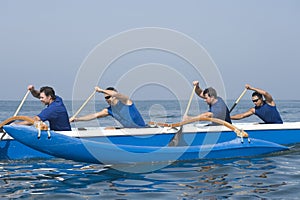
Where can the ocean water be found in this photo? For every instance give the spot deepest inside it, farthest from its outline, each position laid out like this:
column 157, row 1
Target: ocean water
column 275, row 176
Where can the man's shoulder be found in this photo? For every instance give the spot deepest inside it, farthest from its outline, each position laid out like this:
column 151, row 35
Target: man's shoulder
column 220, row 98
column 57, row 103
column 220, row 101
column 58, row 98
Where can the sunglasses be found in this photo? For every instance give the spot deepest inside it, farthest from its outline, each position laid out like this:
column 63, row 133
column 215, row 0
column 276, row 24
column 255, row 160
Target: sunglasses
column 107, row 97
column 255, row 100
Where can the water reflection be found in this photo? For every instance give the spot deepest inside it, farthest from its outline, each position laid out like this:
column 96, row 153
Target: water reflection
column 183, row 180
column 276, row 176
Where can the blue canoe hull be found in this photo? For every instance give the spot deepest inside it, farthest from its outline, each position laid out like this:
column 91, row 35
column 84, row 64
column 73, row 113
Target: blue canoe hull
column 94, row 150
column 14, row 150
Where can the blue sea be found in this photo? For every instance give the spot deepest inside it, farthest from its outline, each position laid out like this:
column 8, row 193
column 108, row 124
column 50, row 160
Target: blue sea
column 275, row 176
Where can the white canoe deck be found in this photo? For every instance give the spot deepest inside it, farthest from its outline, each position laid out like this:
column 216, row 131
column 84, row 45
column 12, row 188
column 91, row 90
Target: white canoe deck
column 189, row 128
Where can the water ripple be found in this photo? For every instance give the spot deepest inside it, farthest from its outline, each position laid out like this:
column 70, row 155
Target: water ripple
column 273, row 177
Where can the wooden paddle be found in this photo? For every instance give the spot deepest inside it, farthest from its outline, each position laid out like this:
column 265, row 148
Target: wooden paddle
column 86, row 101
column 239, row 132
column 190, row 101
column 22, row 102
column 177, row 138
column 238, row 99
column 16, row 113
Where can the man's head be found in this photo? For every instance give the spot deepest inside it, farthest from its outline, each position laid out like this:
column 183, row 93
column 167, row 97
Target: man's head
column 47, row 95
column 257, row 99
column 107, row 97
column 210, row 95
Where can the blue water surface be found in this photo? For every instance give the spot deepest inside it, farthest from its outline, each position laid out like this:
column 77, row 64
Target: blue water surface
column 276, row 176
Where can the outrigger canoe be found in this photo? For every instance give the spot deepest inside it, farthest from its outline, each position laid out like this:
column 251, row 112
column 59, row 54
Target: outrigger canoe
column 161, row 143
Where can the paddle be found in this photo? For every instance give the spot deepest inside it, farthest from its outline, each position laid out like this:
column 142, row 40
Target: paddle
column 239, row 132
column 86, row 101
column 238, row 99
column 17, row 111
column 22, row 102
column 177, row 137
column 190, row 101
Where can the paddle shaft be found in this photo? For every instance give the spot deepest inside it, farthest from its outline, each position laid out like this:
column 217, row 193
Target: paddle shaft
column 190, row 101
column 22, row 102
column 237, row 101
column 86, row 101
column 177, row 136
column 15, row 115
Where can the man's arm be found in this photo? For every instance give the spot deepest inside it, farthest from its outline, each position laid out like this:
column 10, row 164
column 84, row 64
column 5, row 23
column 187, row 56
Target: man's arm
column 33, row 91
column 268, row 97
column 206, row 115
column 198, row 90
column 243, row 115
column 88, row 117
column 123, row 98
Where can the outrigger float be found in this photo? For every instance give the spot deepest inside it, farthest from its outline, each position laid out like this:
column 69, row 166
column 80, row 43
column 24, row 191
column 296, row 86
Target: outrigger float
column 159, row 143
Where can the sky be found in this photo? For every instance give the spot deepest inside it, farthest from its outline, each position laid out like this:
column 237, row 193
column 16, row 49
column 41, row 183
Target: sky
column 52, row 42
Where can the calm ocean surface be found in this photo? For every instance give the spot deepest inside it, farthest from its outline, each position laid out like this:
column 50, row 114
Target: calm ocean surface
column 271, row 177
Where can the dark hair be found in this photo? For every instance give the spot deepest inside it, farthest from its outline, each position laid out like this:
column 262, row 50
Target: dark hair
column 48, row 91
column 257, row 94
column 211, row 92
column 111, row 88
